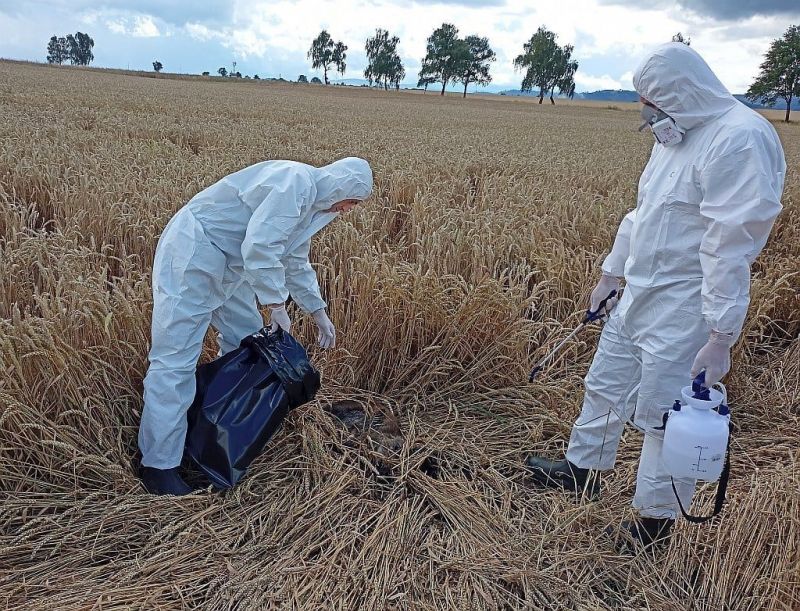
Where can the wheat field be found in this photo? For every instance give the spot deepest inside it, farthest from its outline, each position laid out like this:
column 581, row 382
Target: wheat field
column 402, row 486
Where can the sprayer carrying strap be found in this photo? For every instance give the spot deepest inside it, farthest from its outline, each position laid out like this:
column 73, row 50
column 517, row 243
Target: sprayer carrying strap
column 722, row 489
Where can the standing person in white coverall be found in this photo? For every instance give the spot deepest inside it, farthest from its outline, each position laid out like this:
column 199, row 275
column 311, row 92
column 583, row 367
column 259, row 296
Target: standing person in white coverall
column 707, row 201
column 244, row 238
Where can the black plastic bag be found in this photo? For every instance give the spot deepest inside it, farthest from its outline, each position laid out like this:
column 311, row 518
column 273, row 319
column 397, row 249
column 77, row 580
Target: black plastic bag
column 241, row 400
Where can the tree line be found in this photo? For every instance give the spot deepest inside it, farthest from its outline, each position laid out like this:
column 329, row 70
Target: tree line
column 77, row 49
column 546, row 66
column 450, row 59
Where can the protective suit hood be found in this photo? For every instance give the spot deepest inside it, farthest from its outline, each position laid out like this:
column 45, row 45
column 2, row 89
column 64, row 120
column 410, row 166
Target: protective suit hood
column 678, row 81
column 348, row 178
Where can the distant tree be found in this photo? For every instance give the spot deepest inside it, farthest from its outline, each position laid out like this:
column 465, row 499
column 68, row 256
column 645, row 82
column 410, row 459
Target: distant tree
column 425, row 77
column 340, row 57
column 397, row 72
column 206, row 73
column 384, row 65
column 223, row 72
column 567, row 67
column 80, row 48
column 681, row 38
column 236, row 74
column 780, row 72
column 57, row 52
column 256, row 77
column 446, row 57
column 547, row 65
column 302, row 79
column 158, row 66
column 316, row 81
column 324, row 53
column 476, row 68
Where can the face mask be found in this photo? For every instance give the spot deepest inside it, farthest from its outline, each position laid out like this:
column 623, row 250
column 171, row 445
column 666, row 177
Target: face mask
column 664, row 129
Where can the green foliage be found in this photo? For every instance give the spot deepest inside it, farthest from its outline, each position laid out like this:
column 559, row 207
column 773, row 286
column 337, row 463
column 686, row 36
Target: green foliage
column 476, row 68
column 425, row 76
column 302, row 79
column 158, row 66
column 324, row 53
column 57, row 52
column 80, row 48
column 568, row 67
column 223, row 72
column 547, row 65
column 339, row 57
column 316, row 81
column 679, row 37
column 446, row 58
column 76, row 48
column 384, row 64
column 780, row 72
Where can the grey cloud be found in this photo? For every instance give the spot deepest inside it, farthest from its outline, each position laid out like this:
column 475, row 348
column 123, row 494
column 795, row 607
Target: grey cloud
column 721, row 9
column 175, row 12
column 746, row 31
column 467, row 3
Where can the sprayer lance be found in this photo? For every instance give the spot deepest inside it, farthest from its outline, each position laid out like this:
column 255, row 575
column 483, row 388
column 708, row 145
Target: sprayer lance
column 590, row 317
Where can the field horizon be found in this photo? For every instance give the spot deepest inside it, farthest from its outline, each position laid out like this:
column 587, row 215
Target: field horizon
column 772, row 115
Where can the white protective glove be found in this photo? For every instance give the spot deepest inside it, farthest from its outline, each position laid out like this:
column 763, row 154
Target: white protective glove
column 601, row 291
column 279, row 317
column 714, row 357
column 326, row 332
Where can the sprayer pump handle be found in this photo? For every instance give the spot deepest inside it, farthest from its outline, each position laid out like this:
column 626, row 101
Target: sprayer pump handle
column 699, row 383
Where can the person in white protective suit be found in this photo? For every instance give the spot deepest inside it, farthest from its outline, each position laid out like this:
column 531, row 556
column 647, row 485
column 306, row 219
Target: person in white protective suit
column 244, row 239
column 707, row 201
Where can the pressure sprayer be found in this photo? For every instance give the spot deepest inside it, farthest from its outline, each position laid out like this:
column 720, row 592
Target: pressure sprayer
column 696, row 430
column 697, row 440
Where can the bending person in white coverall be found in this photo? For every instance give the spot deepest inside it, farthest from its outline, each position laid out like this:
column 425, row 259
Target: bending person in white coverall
column 244, row 238
column 706, row 204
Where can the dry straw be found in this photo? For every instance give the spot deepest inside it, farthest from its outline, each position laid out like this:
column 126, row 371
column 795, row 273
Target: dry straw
column 476, row 253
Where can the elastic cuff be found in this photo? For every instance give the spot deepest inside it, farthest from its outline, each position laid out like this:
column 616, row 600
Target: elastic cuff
column 614, row 271
column 724, row 339
column 657, row 513
column 310, row 303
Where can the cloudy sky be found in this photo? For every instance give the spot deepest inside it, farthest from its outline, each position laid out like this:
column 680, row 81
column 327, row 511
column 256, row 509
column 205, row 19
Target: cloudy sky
column 271, row 37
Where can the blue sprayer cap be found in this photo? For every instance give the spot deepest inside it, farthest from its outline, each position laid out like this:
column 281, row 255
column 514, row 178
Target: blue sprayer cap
column 676, row 406
column 699, row 387
column 723, row 410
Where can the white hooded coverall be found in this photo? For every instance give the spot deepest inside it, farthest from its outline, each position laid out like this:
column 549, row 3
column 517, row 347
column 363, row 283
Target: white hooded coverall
column 244, row 238
column 704, row 211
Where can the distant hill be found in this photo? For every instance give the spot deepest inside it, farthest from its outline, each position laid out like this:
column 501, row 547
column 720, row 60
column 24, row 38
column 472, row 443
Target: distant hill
column 625, row 95
column 605, row 95
column 779, row 105
column 609, row 95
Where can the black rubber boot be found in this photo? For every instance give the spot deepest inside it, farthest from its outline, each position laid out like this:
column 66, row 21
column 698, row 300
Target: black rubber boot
column 642, row 533
column 164, row 481
column 563, row 474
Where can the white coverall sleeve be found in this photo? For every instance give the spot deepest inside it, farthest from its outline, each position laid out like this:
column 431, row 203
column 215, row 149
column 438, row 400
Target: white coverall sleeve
column 302, row 280
column 267, row 235
column 614, row 263
column 741, row 189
